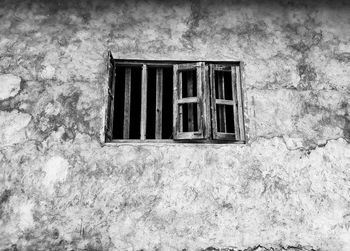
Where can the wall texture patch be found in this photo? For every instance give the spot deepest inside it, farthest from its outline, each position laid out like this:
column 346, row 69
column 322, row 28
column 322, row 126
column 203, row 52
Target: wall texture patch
column 9, row 86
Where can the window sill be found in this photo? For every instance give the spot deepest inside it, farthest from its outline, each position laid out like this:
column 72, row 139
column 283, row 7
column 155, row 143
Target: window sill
column 173, row 142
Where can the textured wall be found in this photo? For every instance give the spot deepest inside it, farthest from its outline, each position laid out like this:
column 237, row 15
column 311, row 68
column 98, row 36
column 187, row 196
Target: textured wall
column 287, row 189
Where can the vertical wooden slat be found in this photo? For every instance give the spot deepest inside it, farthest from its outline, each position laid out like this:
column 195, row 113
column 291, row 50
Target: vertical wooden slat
column 223, row 109
column 221, row 94
column 190, row 106
column 127, row 100
column 240, row 102
column 159, row 102
column 180, row 106
column 213, row 103
column 113, row 100
column 143, row 128
column 206, row 101
column 175, row 99
column 235, row 102
column 199, row 97
column 110, row 104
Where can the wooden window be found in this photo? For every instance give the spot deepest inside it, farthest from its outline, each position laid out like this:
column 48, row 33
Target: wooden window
column 174, row 100
column 188, row 111
column 226, row 102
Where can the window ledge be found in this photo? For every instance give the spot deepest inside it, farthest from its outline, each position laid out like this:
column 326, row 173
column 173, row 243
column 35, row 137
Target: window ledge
column 173, row 142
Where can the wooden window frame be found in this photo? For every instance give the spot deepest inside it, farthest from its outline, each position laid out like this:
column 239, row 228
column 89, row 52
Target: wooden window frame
column 205, row 100
column 199, row 100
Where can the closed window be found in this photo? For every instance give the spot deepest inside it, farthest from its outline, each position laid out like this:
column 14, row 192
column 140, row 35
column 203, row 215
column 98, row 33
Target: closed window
column 174, row 100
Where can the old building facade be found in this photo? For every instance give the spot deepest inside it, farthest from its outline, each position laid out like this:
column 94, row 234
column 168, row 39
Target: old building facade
column 63, row 188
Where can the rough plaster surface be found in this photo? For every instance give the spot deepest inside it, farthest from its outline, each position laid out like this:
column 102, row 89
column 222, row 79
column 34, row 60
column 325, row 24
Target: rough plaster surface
column 9, row 86
column 287, row 189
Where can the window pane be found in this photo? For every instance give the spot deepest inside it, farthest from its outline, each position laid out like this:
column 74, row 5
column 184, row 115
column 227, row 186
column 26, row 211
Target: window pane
column 135, row 103
column 229, row 119
column 119, row 103
column 167, row 120
column 223, row 85
column 188, row 117
column 167, row 114
column 224, row 118
column 151, row 103
column 189, row 83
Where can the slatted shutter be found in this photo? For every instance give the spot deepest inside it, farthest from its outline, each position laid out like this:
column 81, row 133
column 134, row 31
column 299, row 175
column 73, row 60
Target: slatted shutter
column 226, row 102
column 110, row 101
column 189, row 110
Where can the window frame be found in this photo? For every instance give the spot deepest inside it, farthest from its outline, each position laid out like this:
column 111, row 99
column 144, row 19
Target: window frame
column 200, row 100
column 207, row 134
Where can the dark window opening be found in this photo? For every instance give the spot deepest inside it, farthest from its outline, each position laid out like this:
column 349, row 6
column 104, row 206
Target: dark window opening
column 167, row 104
column 157, row 100
column 127, row 95
column 189, row 83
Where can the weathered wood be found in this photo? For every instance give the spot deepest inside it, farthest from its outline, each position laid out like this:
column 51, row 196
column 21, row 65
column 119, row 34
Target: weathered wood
column 188, row 100
column 199, row 75
column 143, row 126
column 141, row 63
column 213, row 102
column 187, row 66
column 127, row 101
column 225, row 136
column 175, row 101
column 110, row 103
column 180, row 107
column 221, row 95
column 159, row 102
column 219, row 125
column 235, row 102
column 224, row 65
column 240, row 102
column 169, row 141
column 190, row 135
column 206, row 102
column 198, row 134
column 190, row 119
column 224, row 102
column 111, row 120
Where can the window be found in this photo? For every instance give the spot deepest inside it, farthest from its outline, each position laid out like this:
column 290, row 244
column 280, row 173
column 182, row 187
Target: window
column 175, row 100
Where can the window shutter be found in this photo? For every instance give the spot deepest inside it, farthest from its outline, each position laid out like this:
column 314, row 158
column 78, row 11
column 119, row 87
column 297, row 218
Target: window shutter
column 239, row 77
column 226, row 102
column 110, row 102
column 189, row 107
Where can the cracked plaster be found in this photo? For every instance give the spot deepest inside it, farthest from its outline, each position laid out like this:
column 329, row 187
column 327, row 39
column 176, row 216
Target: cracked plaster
column 286, row 189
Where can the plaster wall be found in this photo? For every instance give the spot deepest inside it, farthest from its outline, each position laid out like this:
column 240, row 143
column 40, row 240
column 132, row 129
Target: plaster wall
column 288, row 188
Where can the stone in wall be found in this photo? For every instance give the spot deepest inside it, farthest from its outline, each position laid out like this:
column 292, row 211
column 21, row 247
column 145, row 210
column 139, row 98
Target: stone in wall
column 9, row 86
column 13, row 127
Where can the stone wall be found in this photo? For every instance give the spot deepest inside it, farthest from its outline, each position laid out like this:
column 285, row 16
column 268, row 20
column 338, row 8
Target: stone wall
column 288, row 188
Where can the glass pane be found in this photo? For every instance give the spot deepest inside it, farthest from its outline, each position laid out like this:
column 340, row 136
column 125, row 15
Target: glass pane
column 224, row 118
column 223, row 85
column 189, row 83
column 188, row 117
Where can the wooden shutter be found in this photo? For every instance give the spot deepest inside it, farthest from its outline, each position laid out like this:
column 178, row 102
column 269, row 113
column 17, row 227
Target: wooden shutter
column 195, row 122
column 110, row 101
column 220, row 117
